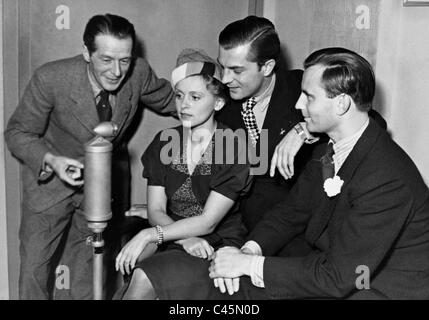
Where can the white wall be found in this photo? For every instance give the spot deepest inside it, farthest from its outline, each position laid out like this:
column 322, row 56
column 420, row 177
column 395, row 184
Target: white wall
column 4, row 279
column 403, row 73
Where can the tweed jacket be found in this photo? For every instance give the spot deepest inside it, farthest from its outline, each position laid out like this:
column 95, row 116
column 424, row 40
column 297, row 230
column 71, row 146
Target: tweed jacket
column 57, row 114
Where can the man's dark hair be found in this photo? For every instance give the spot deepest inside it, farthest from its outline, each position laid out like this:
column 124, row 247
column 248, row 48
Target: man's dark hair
column 259, row 32
column 346, row 72
column 107, row 24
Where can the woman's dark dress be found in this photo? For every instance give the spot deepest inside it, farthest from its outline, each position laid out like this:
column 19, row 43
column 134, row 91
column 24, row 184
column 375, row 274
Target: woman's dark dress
column 174, row 273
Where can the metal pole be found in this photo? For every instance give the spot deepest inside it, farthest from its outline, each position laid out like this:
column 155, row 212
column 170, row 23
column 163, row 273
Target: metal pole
column 97, row 192
column 98, row 245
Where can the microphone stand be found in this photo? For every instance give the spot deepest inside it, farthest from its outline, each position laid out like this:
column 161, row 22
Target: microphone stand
column 97, row 195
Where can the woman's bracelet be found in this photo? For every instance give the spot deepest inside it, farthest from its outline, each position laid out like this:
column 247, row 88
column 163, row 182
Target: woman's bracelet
column 159, row 234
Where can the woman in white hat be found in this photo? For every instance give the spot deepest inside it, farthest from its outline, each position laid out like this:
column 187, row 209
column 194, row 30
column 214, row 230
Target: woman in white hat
column 194, row 180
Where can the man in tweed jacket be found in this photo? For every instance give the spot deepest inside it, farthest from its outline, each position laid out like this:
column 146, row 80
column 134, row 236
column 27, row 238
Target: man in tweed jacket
column 47, row 132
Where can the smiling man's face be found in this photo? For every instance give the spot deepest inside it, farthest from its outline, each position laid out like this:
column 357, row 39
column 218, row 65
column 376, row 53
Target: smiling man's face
column 317, row 108
column 111, row 60
column 244, row 78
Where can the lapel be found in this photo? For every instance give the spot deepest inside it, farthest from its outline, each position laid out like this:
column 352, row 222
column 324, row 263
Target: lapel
column 326, row 205
column 281, row 114
column 84, row 107
column 81, row 93
column 123, row 104
column 230, row 115
column 236, row 116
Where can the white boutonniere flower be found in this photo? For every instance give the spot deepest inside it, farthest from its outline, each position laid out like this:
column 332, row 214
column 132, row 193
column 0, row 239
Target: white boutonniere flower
column 332, row 186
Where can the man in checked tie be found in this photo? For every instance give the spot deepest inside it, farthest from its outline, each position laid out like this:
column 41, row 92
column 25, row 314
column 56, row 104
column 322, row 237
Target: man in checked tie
column 64, row 101
column 361, row 202
column 263, row 103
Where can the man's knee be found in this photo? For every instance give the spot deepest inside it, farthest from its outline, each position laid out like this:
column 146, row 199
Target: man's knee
column 140, row 277
column 140, row 287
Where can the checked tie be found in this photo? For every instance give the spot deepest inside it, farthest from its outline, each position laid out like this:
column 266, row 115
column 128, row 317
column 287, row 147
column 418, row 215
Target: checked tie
column 328, row 169
column 104, row 109
column 250, row 120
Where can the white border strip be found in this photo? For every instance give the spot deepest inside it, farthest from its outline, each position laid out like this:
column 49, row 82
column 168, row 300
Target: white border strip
column 4, row 272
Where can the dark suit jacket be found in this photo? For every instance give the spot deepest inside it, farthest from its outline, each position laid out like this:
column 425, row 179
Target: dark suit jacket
column 280, row 118
column 281, row 113
column 379, row 220
column 57, row 114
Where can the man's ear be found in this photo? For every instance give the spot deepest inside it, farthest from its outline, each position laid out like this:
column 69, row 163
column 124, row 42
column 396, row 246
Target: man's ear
column 86, row 54
column 220, row 102
column 343, row 104
column 268, row 67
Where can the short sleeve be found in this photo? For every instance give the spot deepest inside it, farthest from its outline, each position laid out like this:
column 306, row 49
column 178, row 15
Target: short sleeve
column 153, row 169
column 232, row 178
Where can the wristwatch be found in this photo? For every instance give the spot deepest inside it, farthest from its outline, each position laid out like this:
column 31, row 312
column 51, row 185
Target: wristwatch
column 301, row 130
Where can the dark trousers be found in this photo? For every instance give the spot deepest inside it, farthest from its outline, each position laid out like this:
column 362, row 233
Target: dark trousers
column 41, row 235
column 57, row 237
column 56, row 261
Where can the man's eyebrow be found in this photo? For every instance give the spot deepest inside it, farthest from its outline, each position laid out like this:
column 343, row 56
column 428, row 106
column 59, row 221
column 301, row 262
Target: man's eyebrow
column 104, row 56
column 306, row 93
column 234, row 67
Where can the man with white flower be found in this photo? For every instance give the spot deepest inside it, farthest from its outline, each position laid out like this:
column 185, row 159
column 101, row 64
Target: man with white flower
column 361, row 202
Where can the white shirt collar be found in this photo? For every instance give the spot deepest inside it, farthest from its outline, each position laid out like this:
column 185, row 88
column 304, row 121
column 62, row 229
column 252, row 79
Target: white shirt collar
column 262, row 101
column 94, row 85
column 343, row 147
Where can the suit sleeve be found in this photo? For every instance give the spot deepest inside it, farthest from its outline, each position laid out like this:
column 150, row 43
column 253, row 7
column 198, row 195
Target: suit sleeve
column 378, row 118
column 156, row 93
column 27, row 124
column 289, row 218
column 376, row 214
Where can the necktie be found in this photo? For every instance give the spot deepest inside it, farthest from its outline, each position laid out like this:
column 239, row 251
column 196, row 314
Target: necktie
column 104, row 109
column 328, row 169
column 250, row 120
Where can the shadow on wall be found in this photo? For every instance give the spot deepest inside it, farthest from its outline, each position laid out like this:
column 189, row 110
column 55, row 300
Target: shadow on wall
column 139, row 51
column 379, row 102
column 139, row 48
column 284, row 59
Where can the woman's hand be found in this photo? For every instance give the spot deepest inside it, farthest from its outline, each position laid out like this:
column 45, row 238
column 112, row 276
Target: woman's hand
column 126, row 259
column 137, row 210
column 197, row 247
